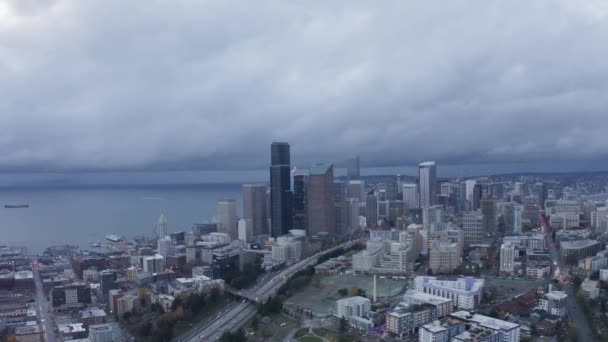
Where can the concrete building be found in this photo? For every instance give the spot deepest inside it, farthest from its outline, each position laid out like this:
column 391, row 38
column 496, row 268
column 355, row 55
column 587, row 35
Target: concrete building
column 444, row 257
column 365, row 260
column 432, row 218
column 281, row 197
column 371, row 210
column 161, row 227
column 579, row 248
column 109, row 332
column 444, row 305
column 528, row 241
column 441, row 331
column 472, row 225
column 254, row 208
column 321, row 212
column 508, row 254
column 466, row 293
column 427, row 180
column 353, row 306
column 509, row 332
column 153, row 263
column 356, row 189
column 590, row 289
column 165, row 246
column 226, row 218
column 554, row 303
column 352, row 168
column 489, row 214
column 405, row 319
column 409, row 193
column 245, row 227
column 300, row 200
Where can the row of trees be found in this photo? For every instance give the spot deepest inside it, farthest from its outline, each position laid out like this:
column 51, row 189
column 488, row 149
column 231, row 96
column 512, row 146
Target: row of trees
column 182, row 309
column 245, row 278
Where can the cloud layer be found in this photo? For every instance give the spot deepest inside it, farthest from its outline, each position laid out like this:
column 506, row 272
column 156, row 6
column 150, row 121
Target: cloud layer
column 112, row 84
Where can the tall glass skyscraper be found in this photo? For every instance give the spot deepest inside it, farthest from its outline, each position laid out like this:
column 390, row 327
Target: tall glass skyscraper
column 280, row 189
column 427, row 178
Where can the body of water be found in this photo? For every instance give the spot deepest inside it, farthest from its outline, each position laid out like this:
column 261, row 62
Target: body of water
column 87, row 214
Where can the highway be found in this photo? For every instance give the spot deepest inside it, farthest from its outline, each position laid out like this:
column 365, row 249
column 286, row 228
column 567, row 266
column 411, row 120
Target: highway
column 234, row 317
column 44, row 311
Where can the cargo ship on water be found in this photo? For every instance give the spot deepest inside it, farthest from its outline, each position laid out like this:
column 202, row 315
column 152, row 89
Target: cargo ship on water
column 16, row 206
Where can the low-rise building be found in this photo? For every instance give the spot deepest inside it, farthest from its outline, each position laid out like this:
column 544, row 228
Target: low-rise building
column 509, row 332
column 441, row 331
column 554, row 303
column 444, row 305
column 353, row 306
column 465, row 292
column 590, row 289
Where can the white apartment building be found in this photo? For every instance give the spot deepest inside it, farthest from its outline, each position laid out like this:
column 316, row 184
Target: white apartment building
column 465, row 292
column 554, row 303
column 356, row 306
column 508, row 254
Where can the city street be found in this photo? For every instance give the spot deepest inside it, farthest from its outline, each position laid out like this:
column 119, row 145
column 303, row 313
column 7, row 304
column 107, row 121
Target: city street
column 44, row 309
column 579, row 320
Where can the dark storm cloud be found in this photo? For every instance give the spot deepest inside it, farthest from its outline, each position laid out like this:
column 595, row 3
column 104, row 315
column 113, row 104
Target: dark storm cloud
column 209, row 84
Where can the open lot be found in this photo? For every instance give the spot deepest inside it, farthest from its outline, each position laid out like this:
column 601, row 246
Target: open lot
column 321, row 299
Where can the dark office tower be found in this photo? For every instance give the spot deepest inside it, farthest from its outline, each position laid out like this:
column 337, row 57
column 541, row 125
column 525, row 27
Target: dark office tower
column 254, row 207
column 540, row 191
column 477, row 194
column 280, row 189
column 427, row 180
column 321, row 211
column 352, row 168
column 390, row 189
column 340, row 207
column 107, row 282
column 371, row 210
column 300, row 200
column 490, row 216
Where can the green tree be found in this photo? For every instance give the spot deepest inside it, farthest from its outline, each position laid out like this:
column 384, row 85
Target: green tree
column 255, row 323
column 343, row 325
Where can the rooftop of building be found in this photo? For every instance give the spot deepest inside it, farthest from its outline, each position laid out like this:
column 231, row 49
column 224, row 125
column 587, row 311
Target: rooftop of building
column 71, row 328
column 485, row 321
column 92, row 312
column 474, row 334
column 320, row 169
column 556, row 295
column 426, row 297
column 354, row 300
column 427, row 163
column 575, row 244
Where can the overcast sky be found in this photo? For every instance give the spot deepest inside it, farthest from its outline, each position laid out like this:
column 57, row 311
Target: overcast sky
column 155, row 85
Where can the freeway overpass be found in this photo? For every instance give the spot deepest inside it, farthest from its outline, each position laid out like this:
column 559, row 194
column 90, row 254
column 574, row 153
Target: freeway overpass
column 236, row 315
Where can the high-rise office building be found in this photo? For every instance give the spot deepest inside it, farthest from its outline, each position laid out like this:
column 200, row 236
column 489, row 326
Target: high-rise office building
column 427, row 180
column 321, row 211
column 352, row 168
column 508, row 254
column 489, row 212
column 477, row 195
column 432, row 218
column 300, row 200
column 281, row 197
column 371, row 210
column 540, row 191
column 472, row 226
column 340, row 207
column 356, row 189
column 518, row 211
column 352, row 214
column 226, row 218
column 161, row 227
column 107, row 282
column 254, row 207
column 410, row 195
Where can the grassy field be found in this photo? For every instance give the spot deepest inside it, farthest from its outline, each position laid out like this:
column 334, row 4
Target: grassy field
column 271, row 331
column 321, row 299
